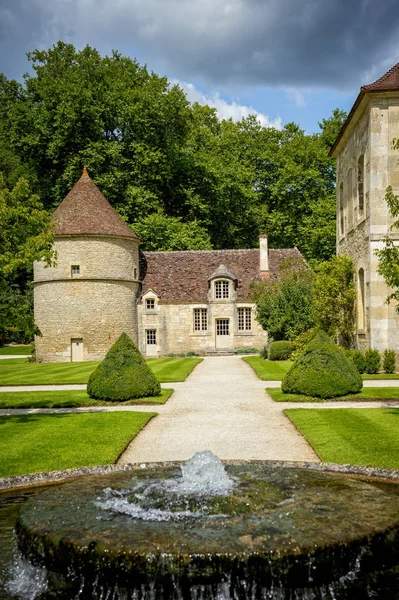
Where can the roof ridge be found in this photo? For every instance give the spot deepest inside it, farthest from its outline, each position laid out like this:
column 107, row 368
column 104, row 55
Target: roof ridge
column 381, row 80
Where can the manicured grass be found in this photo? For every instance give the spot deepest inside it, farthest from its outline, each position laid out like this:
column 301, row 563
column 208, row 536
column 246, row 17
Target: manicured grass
column 381, row 376
column 25, row 373
column 69, row 399
column 16, row 350
column 388, row 393
column 168, row 370
column 268, row 370
column 34, row 443
column 359, row 436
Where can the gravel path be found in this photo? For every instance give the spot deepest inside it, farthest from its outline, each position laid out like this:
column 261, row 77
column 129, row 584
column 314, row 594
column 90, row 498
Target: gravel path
column 221, row 407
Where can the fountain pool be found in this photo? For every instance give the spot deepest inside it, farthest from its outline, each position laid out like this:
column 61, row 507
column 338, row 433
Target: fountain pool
column 202, row 531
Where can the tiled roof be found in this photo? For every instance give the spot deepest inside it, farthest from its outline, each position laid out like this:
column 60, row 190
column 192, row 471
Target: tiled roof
column 223, row 271
column 389, row 82
column 85, row 211
column 183, row 276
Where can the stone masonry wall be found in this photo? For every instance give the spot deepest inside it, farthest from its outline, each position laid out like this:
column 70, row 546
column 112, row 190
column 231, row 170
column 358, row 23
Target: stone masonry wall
column 175, row 328
column 96, row 305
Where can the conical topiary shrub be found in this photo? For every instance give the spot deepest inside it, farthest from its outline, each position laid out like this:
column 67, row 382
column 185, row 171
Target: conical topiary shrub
column 123, row 374
column 322, row 371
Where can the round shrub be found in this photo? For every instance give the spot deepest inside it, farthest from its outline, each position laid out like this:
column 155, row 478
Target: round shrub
column 358, row 359
column 389, row 361
column 302, row 341
column 323, row 371
column 281, row 350
column 123, row 374
column 372, row 361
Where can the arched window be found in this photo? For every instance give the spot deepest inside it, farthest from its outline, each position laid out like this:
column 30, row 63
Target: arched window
column 360, row 185
column 350, row 198
column 361, row 321
column 341, row 209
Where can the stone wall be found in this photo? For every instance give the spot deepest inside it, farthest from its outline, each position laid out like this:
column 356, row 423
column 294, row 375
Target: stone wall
column 370, row 133
column 174, row 324
column 97, row 305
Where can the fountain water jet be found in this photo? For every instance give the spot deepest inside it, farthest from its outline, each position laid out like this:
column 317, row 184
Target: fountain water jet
column 251, row 532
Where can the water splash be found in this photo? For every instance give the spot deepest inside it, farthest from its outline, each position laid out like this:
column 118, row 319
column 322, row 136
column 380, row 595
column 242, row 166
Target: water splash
column 202, row 475
column 26, row 581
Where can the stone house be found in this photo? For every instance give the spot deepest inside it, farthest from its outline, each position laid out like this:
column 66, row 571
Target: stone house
column 366, row 165
column 168, row 302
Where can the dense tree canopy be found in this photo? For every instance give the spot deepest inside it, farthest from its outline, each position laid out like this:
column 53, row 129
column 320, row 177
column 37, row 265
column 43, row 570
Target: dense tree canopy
column 180, row 176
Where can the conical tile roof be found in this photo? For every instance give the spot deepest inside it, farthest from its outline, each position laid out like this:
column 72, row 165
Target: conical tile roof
column 85, row 211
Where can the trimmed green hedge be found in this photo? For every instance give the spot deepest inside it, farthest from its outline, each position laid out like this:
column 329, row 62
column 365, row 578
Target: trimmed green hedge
column 123, row 374
column 322, row 371
column 281, row 350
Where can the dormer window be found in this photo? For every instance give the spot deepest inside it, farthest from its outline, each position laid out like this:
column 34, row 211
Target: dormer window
column 75, row 270
column 150, row 304
column 221, row 289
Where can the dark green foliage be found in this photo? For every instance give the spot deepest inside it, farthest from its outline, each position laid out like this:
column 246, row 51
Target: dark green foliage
column 372, row 361
column 389, row 361
column 302, row 341
column 249, row 350
column 123, row 374
column 322, row 371
column 281, row 350
column 264, row 353
column 357, row 358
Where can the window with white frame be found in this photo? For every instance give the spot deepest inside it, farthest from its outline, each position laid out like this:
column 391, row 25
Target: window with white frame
column 200, row 319
column 150, row 304
column 221, row 289
column 151, row 337
column 75, row 270
column 244, row 319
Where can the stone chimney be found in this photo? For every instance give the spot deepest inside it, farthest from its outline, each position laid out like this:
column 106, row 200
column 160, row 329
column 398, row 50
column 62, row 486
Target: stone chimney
column 264, row 257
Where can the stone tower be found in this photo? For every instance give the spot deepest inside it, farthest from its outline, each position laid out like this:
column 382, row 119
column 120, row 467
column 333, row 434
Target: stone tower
column 366, row 165
column 88, row 299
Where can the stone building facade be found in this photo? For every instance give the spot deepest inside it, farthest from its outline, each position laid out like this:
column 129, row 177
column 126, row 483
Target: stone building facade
column 366, row 165
column 168, row 302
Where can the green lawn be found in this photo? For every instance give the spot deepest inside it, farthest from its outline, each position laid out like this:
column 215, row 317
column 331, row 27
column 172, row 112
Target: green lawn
column 21, row 372
column 388, row 393
column 69, row 399
column 35, row 443
column 268, row 370
column 16, row 350
column 381, row 376
column 359, row 436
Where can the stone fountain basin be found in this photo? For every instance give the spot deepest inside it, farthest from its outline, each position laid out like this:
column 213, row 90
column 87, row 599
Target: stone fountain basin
column 288, row 525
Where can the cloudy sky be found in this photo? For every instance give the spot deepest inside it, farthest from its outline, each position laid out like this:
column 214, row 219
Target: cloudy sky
column 286, row 60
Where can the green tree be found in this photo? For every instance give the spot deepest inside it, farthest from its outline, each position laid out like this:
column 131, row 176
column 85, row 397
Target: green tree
column 388, row 265
column 334, row 298
column 285, row 307
column 160, row 232
column 331, row 127
column 25, row 235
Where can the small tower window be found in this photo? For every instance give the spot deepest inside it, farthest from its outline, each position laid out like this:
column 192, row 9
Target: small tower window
column 360, row 185
column 135, row 273
column 75, row 270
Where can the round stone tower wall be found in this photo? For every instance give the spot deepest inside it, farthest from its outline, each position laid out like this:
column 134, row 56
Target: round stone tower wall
column 88, row 299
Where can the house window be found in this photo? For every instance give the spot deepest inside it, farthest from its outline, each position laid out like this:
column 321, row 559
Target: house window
column 151, row 337
column 221, row 289
column 360, row 185
column 361, row 321
column 75, row 270
column 200, row 319
column 244, row 319
column 222, row 326
column 134, row 273
column 150, row 304
column 350, row 214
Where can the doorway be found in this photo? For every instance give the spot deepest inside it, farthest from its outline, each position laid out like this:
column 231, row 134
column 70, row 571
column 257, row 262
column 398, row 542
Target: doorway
column 223, row 334
column 76, row 349
column 151, row 342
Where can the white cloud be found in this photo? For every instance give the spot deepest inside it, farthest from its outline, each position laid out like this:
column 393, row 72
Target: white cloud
column 297, row 96
column 227, row 110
